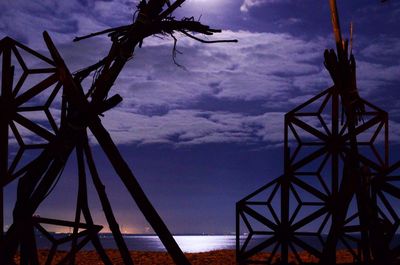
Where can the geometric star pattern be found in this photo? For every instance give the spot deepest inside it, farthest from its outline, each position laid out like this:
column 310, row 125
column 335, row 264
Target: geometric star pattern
column 28, row 104
column 30, row 113
column 292, row 214
column 79, row 240
column 387, row 192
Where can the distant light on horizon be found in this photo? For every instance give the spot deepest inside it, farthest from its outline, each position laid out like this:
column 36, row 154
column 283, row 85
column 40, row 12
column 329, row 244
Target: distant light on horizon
column 106, row 230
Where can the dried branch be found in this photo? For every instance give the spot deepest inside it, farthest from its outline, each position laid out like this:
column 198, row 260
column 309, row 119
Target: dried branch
column 82, row 74
column 112, row 30
column 167, row 26
column 205, row 41
column 175, row 51
column 170, row 9
column 152, row 20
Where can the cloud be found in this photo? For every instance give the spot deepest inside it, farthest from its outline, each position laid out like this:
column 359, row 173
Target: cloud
column 192, row 127
column 161, row 100
column 247, row 4
column 226, row 93
column 262, row 66
column 382, row 48
column 372, row 76
column 372, row 13
column 288, row 22
column 25, row 20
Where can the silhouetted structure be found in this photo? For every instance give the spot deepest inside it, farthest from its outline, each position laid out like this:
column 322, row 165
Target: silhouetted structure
column 79, row 111
column 336, row 191
column 294, row 211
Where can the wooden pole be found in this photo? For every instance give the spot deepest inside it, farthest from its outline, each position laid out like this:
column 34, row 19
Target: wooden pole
column 285, row 186
column 77, row 210
column 351, row 180
column 133, row 186
column 83, row 202
column 6, row 91
column 335, row 21
column 105, row 203
column 76, row 96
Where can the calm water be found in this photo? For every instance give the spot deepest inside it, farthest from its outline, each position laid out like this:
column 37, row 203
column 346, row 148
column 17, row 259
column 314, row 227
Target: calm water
column 197, row 243
column 188, row 243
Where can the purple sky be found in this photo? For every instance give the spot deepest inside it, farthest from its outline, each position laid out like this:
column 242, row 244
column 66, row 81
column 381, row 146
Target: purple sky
column 201, row 137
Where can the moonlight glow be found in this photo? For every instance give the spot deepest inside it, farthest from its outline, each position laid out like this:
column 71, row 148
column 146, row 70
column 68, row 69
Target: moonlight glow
column 205, row 4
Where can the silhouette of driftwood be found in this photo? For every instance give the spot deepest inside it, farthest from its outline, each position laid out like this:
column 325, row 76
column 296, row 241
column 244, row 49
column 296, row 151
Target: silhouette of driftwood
column 79, row 112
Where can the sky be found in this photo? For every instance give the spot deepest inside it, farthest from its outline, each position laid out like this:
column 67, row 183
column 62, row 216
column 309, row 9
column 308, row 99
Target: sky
column 202, row 136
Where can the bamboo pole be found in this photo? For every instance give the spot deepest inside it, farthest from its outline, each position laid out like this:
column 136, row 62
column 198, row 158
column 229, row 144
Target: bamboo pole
column 335, row 22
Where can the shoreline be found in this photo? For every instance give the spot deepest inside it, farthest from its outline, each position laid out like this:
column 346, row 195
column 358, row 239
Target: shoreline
column 217, row 257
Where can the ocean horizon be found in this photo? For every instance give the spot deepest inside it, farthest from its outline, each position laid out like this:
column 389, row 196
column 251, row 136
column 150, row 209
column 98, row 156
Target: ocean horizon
column 147, row 242
column 189, row 243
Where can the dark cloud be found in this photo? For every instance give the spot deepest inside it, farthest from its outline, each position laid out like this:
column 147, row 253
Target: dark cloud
column 161, row 100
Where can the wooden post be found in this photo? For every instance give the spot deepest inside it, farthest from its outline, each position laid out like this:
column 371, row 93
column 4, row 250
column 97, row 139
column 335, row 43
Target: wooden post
column 105, row 203
column 133, row 186
column 285, row 197
column 83, row 202
column 6, row 91
column 351, row 180
column 335, row 21
column 237, row 227
column 79, row 201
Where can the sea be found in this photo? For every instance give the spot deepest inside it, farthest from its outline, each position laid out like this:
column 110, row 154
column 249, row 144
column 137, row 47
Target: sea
column 188, row 243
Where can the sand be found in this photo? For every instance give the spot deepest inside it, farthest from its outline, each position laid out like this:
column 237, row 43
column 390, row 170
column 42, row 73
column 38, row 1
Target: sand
column 221, row 257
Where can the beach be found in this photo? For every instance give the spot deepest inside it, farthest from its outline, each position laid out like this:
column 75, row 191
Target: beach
column 223, row 257
column 200, row 250
column 218, row 257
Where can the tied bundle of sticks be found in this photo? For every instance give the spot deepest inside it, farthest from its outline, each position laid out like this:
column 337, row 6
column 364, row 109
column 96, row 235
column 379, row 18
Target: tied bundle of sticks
column 153, row 17
column 356, row 179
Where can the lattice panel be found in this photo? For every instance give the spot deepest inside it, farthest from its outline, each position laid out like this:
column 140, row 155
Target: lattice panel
column 29, row 103
column 316, row 145
column 387, row 188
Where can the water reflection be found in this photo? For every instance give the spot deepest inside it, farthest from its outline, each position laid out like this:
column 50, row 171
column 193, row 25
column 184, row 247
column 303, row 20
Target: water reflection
column 193, row 244
column 189, row 244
